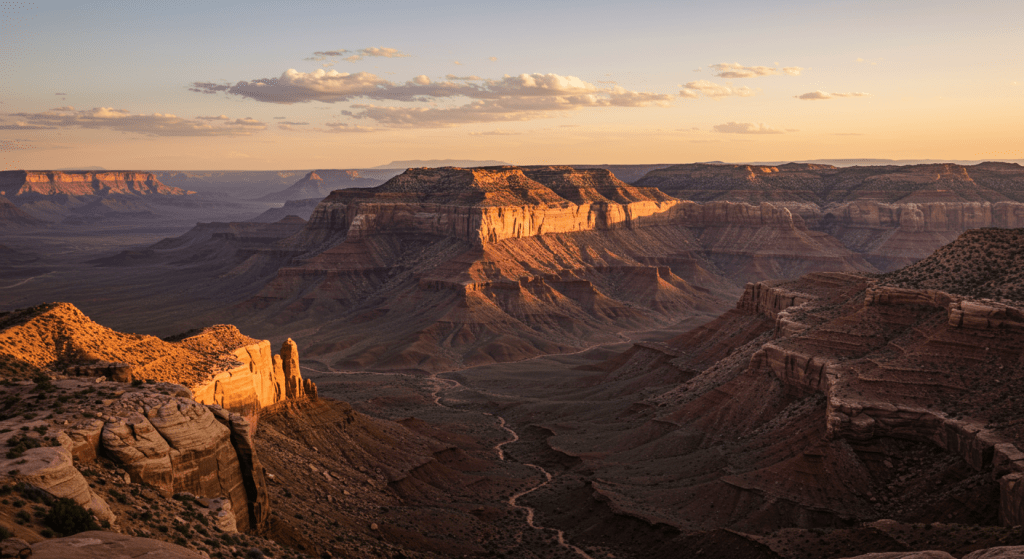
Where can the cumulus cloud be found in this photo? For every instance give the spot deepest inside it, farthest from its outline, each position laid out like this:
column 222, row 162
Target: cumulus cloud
column 356, row 55
column 150, row 124
column 219, row 117
column 695, row 89
column 736, row 70
column 453, row 77
column 510, row 98
column 821, row 95
column 746, row 128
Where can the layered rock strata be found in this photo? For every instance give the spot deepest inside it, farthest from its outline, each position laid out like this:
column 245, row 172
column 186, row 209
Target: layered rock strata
column 505, row 263
column 157, row 433
column 856, row 381
column 893, row 215
column 218, row 364
column 84, row 183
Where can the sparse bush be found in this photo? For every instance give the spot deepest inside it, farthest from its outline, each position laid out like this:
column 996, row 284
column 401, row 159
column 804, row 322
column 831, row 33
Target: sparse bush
column 5, row 533
column 68, row 517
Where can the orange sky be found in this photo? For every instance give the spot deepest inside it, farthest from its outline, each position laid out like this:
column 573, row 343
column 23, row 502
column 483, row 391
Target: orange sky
column 365, row 83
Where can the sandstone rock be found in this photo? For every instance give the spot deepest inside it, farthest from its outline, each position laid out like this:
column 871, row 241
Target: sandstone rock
column 906, row 555
column 52, row 470
column 83, row 183
column 252, row 472
column 294, row 387
column 139, row 448
column 1004, row 552
column 15, row 547
column 109, row 545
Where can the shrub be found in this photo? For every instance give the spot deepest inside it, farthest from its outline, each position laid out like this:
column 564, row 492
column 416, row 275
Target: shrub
column 68, row 517
column 5, row 533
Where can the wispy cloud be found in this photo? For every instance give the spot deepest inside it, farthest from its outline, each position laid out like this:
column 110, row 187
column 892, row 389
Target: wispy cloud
column 510, row 98
column 495, row 133
column 822, row 95
column 22, row 125
column 149, row 124
column 746, row 128
column 736, row 70
column 344, row 127
column 356, row 55
column 695, row 89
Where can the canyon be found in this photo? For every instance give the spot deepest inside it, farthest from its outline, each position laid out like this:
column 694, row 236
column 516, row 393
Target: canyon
column 787, row 361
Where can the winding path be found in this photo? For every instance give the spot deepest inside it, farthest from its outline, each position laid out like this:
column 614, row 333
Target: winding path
column 439, row 385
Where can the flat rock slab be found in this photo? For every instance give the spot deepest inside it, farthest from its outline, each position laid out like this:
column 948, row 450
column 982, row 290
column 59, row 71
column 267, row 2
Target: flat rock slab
column 109, row 545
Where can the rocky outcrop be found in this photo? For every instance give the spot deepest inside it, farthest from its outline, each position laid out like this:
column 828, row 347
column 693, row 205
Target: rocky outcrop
column 109, row 545
column 320, row 183
column 218, row 364
column 52, row 470
column 253, row 478
column 834, row 360
column 84, row 183
column 891, row 215
column 491, row 204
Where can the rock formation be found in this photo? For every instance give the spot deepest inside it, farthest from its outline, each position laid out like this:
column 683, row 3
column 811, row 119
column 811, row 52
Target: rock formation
column 320, row 183
column 893, row 215
column 219, row 364
column 83, row 183
column 505, row 263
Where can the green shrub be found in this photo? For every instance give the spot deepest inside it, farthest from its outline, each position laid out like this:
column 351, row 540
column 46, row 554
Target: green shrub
column 68, row 517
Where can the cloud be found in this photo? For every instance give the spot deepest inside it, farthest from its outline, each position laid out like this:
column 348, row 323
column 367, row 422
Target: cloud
column 219, row 117
column 355, row 56
column 453, row 77
column 60, row 93
column 493, row 59
column 821, row 95
column 736, row 70
column 495, row 133
column 746, row 128
column 693, row 90
column 21, row 125
column 149, row 124
column 295, row 123
column 510, row 98
column 343, row 127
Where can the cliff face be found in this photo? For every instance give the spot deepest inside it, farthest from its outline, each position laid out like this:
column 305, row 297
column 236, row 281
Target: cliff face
column 490, row 205
column 193, row 434
column 892, row 215
column 84, row 183
column 443, row 268
column 220, row 365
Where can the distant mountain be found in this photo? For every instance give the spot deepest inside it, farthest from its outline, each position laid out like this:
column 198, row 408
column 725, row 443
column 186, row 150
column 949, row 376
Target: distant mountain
column 873, row 162
column 13, row 217
column 320, row 183
column 413, row 163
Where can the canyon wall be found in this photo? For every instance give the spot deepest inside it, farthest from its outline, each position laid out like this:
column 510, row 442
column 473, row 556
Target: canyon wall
column 861, row 407
column 83, row 183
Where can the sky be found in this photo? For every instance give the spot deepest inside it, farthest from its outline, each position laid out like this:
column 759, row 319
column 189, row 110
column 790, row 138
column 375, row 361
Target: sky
column 335, row 84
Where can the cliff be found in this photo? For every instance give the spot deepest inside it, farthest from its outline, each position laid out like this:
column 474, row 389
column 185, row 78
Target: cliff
column 220, row 365
column 892, row 215
column 84, row 183
column 490, row 204
column 445, row 268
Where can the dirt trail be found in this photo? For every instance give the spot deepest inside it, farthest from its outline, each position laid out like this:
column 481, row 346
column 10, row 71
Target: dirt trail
column 441, row 384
